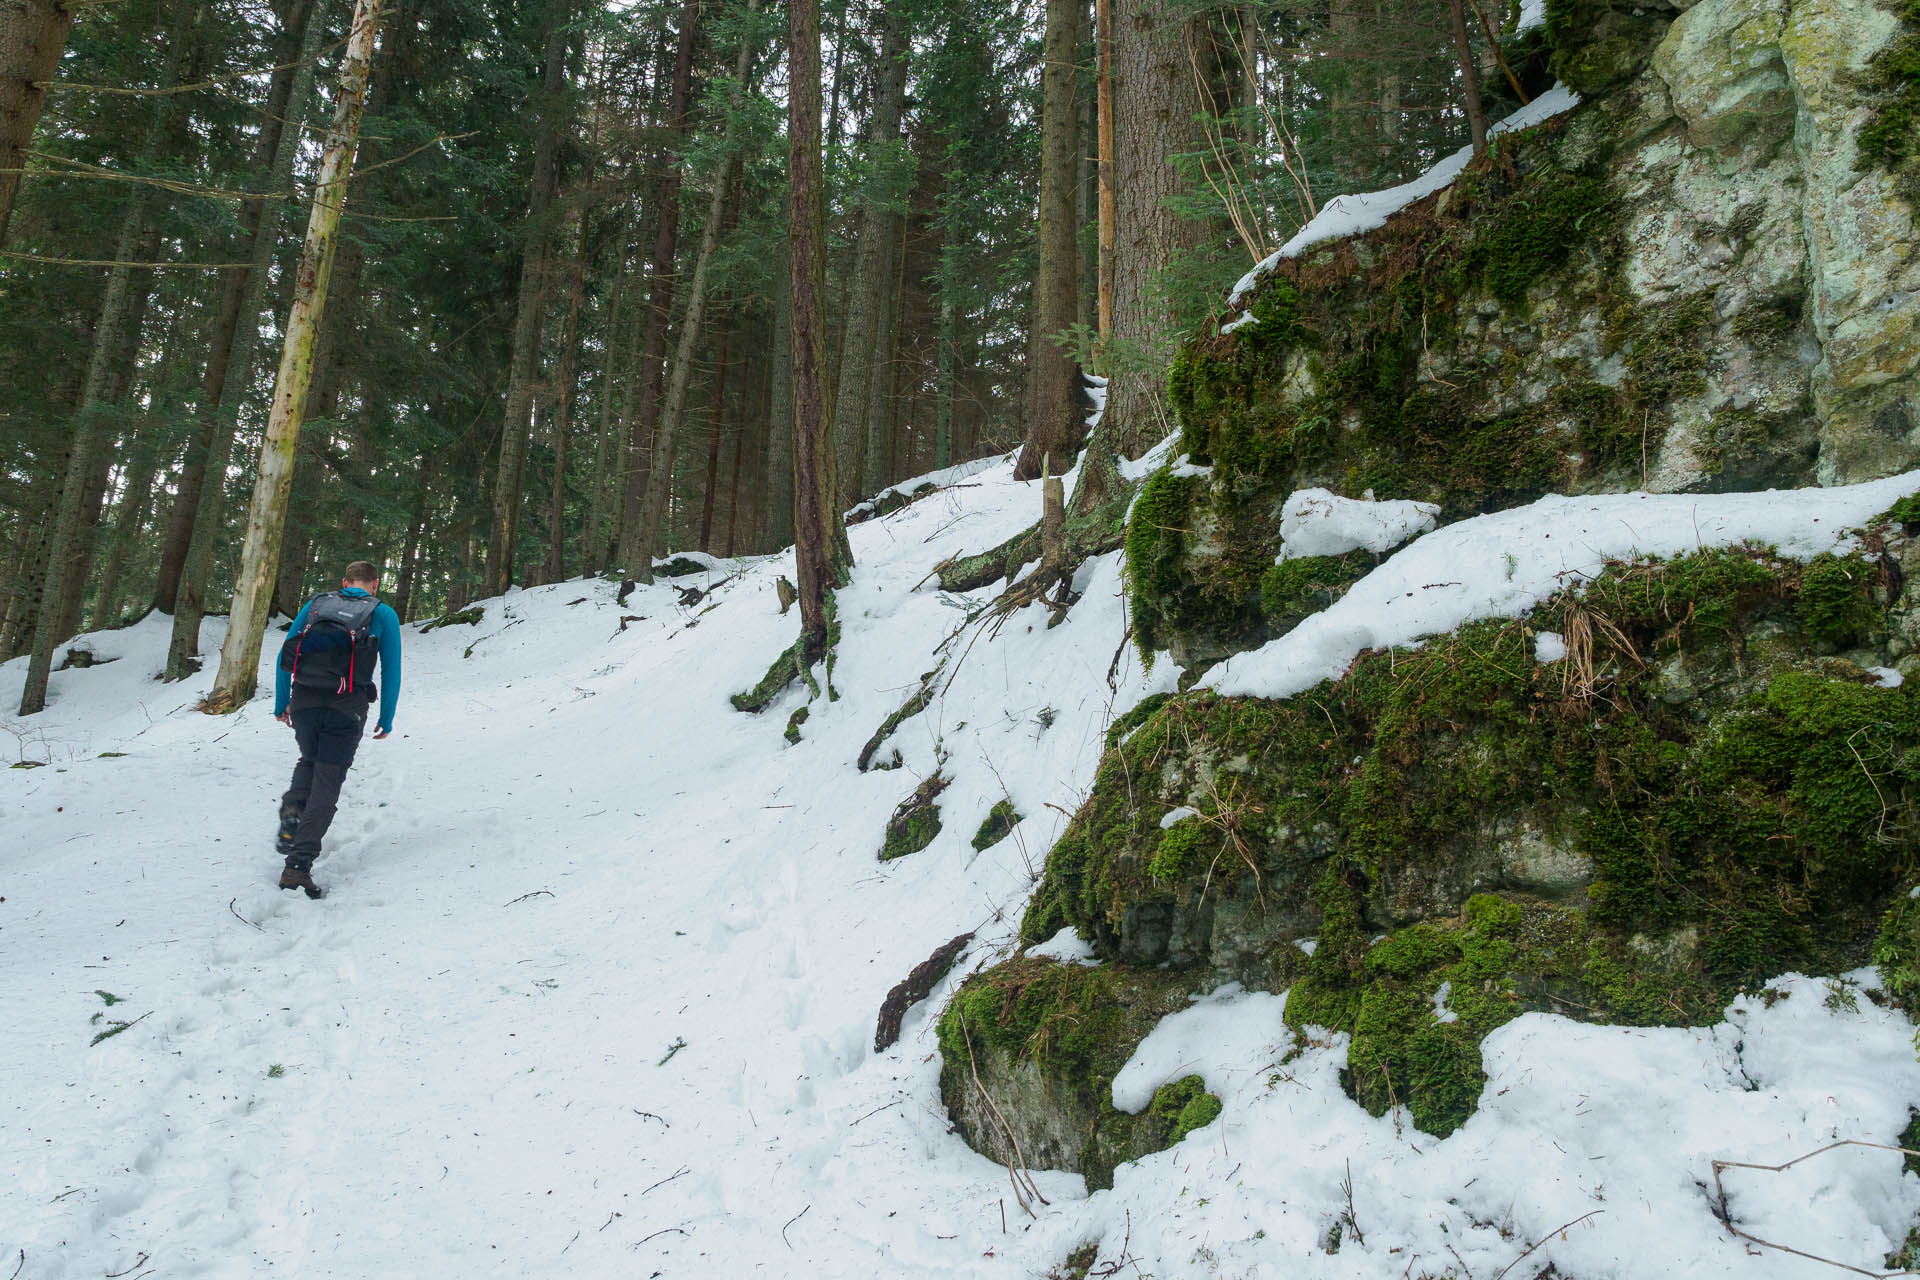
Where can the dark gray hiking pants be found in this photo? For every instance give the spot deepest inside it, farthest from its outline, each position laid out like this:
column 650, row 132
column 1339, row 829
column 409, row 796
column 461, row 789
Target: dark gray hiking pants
column 328, row 739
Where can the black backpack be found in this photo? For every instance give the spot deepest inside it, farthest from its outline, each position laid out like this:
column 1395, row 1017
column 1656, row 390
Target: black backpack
column 335, row 650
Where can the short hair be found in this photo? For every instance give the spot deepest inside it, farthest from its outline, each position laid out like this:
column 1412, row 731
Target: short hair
column 361, row 571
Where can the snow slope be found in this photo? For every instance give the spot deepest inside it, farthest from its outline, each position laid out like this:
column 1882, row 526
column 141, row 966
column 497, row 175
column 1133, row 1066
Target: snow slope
column 595, row 987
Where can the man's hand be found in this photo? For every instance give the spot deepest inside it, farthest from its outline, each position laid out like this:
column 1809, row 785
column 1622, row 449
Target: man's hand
column 285, row 717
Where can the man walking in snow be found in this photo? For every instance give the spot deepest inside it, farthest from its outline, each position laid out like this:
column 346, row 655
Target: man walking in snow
column 324, row 689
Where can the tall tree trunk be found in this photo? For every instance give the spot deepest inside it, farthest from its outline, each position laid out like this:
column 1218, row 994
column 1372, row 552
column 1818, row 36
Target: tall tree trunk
column 190, row 601
column 87, row 443
column 260, row 549
column 822, row 558
column 108, row 375
column 143, row 468
column 1103, row 148
column 1469, row 76
column 410, row 551
column 660, row 289
column 528, row 317
column 718, row 426
column 227, row 315
column 1051, row 402
column 563, row 410
column 32, row 35
column 878, row 390
column 943, row 409
column 594, row 548
column 872, row 273
column 673, row 412
column 779, row 494
column 1158, row 104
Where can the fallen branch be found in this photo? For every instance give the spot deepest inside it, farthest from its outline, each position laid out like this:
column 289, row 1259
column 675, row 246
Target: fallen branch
column 523, row 897
column 1726, row 1215
column 237, row 916
column 789, row 1222
column 1559, row 1230
column 138, row 1263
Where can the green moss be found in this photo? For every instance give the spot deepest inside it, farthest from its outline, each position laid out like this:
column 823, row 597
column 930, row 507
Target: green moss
column 1890, row 140
column 1595, row 46
column 915, row 822
column 1181, row 1106
column 1181, row 845
column 1077, row 1025
column 1077, row 1263
column 1000, row 819
column 912, row 707
column 1662, row 346
column 1295, row 588
column 1905, row 513
column 1745, row 809
column 1135, row 716
column 1836, row 603
column 1537, row 236
column 794, row 721
column 1156, row 541
column 461, row 618
column 1896, row 951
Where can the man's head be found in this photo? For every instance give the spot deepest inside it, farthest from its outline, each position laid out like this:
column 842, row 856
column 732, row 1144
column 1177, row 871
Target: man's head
column 362, row 575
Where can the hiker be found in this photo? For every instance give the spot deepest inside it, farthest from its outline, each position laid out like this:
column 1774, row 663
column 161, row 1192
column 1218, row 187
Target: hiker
column 324, row 689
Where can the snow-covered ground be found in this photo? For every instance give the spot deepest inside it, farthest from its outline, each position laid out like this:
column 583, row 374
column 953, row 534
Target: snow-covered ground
column 594, row 989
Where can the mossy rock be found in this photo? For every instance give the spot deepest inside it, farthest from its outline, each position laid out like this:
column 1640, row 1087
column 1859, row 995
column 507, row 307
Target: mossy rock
column 1890, row 140
column 681, row 567
column 1000, row 820
column 1045, row 1040
column 460, row 618
column 915, row 822
column 1694, row 801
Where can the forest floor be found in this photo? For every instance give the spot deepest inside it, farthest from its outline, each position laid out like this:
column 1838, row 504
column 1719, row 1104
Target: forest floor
column 594, row 989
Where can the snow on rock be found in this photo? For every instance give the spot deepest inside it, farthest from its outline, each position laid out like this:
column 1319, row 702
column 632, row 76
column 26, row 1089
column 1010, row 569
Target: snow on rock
column 1886, row 677
column 1178, row 814
column 1351, row 215
column 1227, row 1027
column 1503, row 564
column 1067, row 947
column 1318, row 522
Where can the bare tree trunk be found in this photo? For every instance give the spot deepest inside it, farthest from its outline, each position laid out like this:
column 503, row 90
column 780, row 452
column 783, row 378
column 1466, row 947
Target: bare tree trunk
column 87, row 442
column 1103, row 130
column 1052, row 399
column 32, row 35
column 562, row 413
column 410, row 551
column 593, row 541
column 779, row 495
column 660, row 282
column 822, row 560
column 1469, row 76
column 872, row 272
column 143, row 470
column 226, row 320
column 639, row 565
column 717, row 427
column 190, row 601
column 529, row 315
column 260, row 548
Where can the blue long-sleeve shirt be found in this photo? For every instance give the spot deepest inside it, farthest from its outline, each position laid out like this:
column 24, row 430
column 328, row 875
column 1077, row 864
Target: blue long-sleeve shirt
column 385, row 629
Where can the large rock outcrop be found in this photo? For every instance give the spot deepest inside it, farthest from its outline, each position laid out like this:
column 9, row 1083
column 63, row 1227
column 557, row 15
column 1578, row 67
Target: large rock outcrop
column 1698, row 280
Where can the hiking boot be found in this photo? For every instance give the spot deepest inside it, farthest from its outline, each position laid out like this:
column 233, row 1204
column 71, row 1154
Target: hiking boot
column 301, row 878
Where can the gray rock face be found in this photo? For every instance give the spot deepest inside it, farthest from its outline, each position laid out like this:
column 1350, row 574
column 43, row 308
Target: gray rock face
column 1768, row 202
